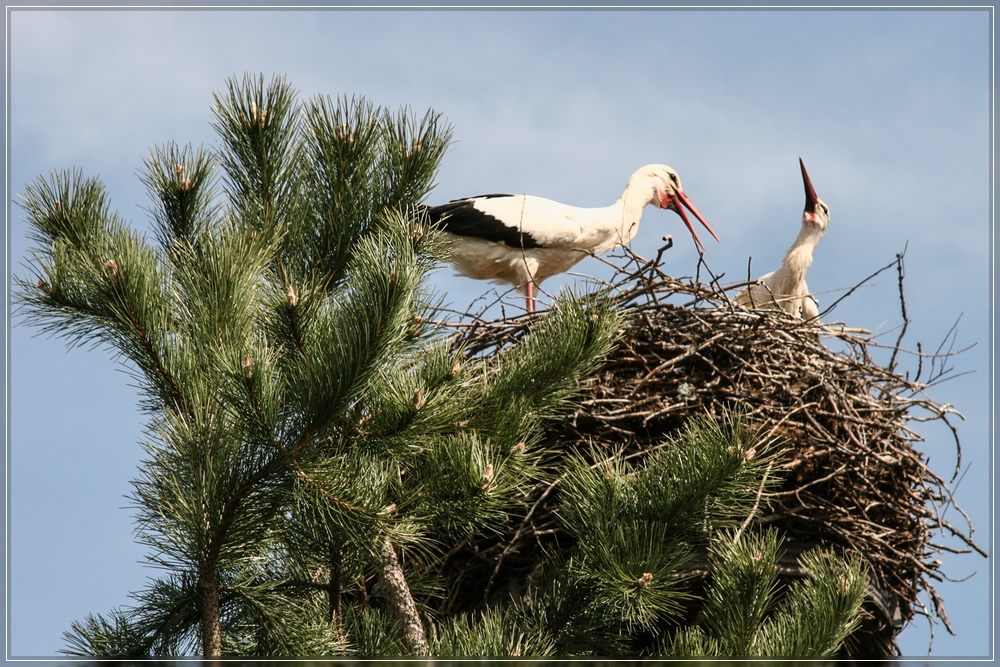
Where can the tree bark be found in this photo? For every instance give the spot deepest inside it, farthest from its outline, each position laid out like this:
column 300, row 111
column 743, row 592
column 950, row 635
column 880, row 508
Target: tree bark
column 211, row 627
column 397, row 596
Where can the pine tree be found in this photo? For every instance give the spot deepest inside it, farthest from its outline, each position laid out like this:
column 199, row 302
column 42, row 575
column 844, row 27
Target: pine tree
column 318, row 450
column 305, row 418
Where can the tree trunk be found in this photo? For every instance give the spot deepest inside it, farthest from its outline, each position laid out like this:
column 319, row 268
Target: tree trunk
column 397, row 595
column 211, row 628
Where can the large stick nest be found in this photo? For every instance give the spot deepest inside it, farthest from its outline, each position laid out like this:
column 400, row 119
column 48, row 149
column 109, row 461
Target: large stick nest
column 852, row 479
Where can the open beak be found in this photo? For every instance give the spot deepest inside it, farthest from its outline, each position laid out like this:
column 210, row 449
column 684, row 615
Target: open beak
column 672, row 203
column 811, row 197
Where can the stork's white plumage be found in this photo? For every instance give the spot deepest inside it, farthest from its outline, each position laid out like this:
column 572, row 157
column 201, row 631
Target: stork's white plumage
column 522, row 239
column 786, row 288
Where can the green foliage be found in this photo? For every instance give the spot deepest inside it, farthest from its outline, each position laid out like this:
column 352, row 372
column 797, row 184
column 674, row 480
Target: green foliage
column 742, row 616
column 820, row 611
column 462, row 483
column 557, row 605
column 163, row 622
column 265, row 622
column 102, row 637
column 261, row 146
column 636, row 574
column 744, row 587
column 373, row 633
column 181, row 179
column 637, row 525
column 494, row 632
column 706, row 478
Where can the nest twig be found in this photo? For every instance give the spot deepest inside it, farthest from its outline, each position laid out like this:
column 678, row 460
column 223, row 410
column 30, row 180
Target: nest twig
column 853, row 478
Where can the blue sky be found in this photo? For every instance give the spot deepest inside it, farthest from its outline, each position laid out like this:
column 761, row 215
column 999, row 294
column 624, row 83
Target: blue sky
column 889, row 109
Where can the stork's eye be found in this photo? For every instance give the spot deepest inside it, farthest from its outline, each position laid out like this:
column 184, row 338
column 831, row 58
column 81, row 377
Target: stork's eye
column 824, row 208
column 673, row 177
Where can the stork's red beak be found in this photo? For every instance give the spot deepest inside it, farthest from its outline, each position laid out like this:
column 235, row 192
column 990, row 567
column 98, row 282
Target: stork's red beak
column 672, row 203
column 811, row 197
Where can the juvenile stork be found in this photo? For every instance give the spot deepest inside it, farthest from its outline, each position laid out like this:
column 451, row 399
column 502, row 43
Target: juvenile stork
column 786, row 288
column 522, row 239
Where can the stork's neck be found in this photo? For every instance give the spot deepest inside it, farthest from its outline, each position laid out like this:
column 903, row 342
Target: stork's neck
column 627, row 211
column 800, row 254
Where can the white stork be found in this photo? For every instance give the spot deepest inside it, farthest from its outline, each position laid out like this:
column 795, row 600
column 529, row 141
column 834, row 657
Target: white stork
column 522, row 239
column 786, row 288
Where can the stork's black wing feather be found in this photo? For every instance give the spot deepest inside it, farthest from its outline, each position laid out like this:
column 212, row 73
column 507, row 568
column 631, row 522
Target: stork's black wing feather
column 462, row 218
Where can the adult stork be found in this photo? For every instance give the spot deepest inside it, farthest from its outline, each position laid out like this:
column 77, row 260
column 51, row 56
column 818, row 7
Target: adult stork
column 522, row 239
column 786, row 288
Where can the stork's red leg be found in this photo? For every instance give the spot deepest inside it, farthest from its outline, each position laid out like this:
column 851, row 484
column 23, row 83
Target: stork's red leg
column 530, row 298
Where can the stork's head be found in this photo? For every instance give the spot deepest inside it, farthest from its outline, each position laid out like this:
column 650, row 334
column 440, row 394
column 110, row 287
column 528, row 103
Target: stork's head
column 816, row 215
column 662, row 186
